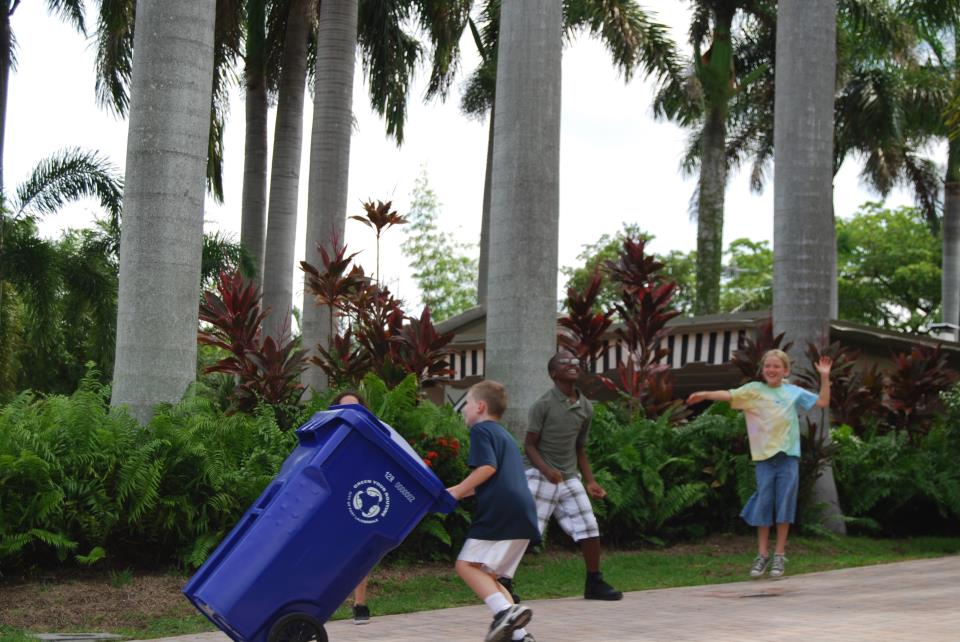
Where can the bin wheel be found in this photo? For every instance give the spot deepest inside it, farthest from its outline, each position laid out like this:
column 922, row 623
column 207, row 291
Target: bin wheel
column 297, row 627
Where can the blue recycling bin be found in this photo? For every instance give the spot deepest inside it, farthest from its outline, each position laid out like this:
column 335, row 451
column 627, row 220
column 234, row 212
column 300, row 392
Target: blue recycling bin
column 350, row 492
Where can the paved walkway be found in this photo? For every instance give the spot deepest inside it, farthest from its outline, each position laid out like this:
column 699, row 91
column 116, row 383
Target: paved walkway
column 917, row 600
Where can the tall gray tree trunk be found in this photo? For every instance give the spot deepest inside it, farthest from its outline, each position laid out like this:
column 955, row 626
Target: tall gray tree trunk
column 804, row 237
column 285, row 174
column 6, row 55
column 484, row 262
column 950, row 280
column 713, row 184
column 524, row 208
column 253, row 202
column 162, row 236
column 329, row 156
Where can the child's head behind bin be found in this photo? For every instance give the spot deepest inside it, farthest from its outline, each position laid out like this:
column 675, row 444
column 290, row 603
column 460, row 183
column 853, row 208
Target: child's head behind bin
column 486, row 401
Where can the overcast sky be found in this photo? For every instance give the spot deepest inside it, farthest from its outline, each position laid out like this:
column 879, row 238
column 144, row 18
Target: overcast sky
column 617, row 164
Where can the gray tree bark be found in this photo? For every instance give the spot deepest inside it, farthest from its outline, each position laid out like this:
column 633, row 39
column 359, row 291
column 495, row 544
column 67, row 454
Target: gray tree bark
column 484, row 262
column 524, row 211
column 161, row 240
column 713, row 185
column 285, row 173
column 329, row 156
column 253, row 201
column 804, row 237
column 950, row 279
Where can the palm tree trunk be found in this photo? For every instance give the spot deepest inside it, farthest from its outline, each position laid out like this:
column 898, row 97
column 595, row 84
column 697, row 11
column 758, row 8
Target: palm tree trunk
column 161, row 241
column 285, row 174
column 804, row 236
column 715, row 71
column 950, row 280
column 713, row 180
column 253, row 203
column 524, row 207
column 329, row 155
column 6, row 53
column 484, row 262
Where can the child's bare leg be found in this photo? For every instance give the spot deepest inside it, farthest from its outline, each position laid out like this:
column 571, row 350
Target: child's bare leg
column 783, row 529
column 360, row 593
column 763, row 540
column 480, row 582
column 506, row 593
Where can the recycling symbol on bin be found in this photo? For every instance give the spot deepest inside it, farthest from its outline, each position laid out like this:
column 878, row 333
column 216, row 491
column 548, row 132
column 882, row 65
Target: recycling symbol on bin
column 368, row 501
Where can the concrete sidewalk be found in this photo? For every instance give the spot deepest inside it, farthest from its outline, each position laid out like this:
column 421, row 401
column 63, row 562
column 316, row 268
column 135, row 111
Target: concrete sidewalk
column 917, row 600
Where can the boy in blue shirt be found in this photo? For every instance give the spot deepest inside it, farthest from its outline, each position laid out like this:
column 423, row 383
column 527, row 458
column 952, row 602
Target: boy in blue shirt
column 505, row 518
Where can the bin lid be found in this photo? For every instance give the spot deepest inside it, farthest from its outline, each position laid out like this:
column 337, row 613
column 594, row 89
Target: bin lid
column 359, row 416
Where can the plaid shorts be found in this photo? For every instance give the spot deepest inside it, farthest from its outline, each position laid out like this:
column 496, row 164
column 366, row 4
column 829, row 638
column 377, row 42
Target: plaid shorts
column 567, row 501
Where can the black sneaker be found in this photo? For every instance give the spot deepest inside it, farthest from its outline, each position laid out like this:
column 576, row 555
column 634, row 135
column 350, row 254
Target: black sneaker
column 597, row 589
column 504, row 623
column 507, row 583
column 361, row 614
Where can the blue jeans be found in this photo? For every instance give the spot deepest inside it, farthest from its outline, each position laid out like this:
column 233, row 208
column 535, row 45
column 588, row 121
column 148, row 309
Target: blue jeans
column 775, row 501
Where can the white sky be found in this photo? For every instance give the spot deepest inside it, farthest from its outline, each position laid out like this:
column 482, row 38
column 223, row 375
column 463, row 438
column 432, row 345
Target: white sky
column 617, row 164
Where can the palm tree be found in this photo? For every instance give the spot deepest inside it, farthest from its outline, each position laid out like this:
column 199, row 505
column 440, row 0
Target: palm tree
column 115, row 51
column 329, row 153
column 725, row 62
column 635, row 42
column 804, row 243
column 253, row 200
column 525, row 201
column 69, row 10
column 285, row 174
column 389, row 56
column 938, row 26
column 160, row 248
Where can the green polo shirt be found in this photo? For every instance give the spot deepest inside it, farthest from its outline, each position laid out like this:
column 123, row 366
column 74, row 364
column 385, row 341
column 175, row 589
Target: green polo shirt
column 561, row 426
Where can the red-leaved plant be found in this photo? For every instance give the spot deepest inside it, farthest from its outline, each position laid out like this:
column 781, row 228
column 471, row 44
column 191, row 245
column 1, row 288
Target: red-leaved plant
column 644, row 308
column 266, row 370
column 914, row 386
column 583, row 327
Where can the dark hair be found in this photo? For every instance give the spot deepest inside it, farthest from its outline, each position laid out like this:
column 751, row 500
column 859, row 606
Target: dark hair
column 491, row 393
column 348, row 393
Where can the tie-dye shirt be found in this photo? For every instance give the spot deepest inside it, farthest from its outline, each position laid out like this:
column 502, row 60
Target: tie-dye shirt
column 771, row 414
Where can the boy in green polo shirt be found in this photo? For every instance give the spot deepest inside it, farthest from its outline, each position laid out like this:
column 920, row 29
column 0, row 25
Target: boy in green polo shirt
column 556, row 458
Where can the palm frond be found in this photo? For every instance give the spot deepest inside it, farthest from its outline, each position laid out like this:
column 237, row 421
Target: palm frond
column 114, row 61
column 71, row 11
column 67, row 176
column 390, row 56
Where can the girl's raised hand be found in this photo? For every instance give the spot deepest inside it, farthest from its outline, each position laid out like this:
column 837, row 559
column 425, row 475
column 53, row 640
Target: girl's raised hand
column 823, row 366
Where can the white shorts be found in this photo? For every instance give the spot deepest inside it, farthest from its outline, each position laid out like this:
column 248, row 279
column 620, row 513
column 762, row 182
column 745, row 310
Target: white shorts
column 499, row 557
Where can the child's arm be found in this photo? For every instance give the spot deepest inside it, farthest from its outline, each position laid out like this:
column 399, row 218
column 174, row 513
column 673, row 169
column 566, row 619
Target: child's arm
column 468, row 486
column 594, row 489
column 709, row 395
column 823, row 367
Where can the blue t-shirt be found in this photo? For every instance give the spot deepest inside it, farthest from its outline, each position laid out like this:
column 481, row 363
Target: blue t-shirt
column 505, row 508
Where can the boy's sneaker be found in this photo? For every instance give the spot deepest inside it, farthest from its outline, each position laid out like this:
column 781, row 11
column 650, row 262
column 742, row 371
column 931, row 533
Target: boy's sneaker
column 759, row 566
column 507, row 583
column 504, row 622
column 528, row 638
column 779, row 565
column 597, row 589
column 361, row 614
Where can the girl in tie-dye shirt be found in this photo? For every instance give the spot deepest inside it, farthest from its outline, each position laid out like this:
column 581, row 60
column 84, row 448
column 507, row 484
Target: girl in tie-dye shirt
column 770, row 408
